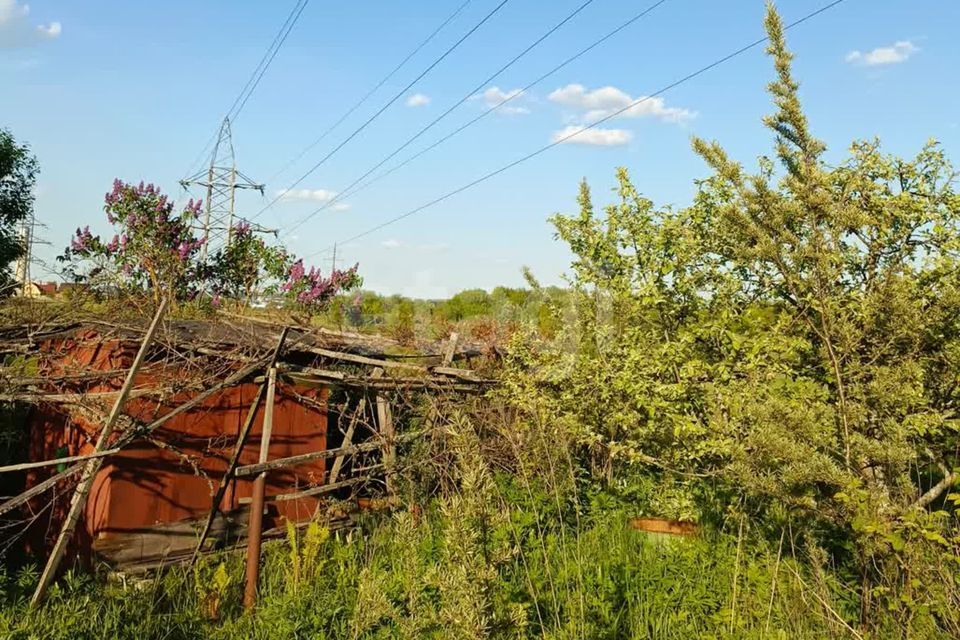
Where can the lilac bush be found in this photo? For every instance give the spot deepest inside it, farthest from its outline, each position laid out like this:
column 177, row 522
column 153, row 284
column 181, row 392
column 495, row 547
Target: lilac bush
column 312, row 289
column 154, row 250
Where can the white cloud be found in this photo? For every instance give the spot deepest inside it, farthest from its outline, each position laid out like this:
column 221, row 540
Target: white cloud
column 341, row 206
column 898, row 52
column 605, row 101
column 418, row 100
column 392, row 243
column 495, row 96
column 314, row 195
column 16, row 29
column 597, row 136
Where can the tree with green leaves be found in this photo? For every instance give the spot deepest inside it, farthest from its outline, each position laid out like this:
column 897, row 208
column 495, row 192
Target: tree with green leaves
column 794, row 335
column 18, row 174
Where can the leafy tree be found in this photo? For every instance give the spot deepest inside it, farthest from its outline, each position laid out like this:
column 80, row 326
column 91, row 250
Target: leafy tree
column 240, row 267
column 467, row 304
column 18, row 173
column 794, row 334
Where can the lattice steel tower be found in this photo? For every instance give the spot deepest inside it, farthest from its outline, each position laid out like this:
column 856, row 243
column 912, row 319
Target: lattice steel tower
column 221, row 180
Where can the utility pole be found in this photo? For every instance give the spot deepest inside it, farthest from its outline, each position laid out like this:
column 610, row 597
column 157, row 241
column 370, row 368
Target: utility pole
column 221, row 179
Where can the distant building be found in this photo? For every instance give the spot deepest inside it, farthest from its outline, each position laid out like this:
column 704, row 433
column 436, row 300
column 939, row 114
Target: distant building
column 49, row 289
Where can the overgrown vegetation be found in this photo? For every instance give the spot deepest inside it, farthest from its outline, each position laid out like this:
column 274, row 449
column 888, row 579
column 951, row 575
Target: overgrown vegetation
column 18, row 175
column 778, row 362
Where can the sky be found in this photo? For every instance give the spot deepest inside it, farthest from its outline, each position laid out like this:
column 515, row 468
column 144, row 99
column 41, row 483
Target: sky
column 102, row 89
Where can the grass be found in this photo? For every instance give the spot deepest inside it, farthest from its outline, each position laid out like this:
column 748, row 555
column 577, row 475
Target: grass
column 442, row 575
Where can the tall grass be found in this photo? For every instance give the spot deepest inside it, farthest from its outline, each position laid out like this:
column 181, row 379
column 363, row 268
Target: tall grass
column 501, row 539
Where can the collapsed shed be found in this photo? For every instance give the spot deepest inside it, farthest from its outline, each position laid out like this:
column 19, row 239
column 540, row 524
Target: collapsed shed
column 177, row 474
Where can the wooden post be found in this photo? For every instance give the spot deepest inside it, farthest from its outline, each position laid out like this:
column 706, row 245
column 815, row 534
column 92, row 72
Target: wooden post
column 255, row 529
column 237, row 450
column 450, row 350
column 92, row 466
column 385, row 424
column 347, row 441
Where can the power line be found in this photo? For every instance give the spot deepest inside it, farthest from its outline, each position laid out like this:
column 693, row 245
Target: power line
column 273, row 55
column 592, row 125
column 255, row 76
column 369, row 93
column 386, row 106
column 346, row 193
column 450, row 109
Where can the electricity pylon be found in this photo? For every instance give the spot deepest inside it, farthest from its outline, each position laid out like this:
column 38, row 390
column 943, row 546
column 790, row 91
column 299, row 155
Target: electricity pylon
column 221, row 180
column 28, row 239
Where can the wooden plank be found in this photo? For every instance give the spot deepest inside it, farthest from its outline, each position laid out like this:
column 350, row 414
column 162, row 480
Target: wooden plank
column 358, row 359
column 465, row 374
column 347, row 441
column 315, row 491
column 238, row 449
column 157, row 543
column 292, row 461
column 450, row 349
column 92, row 466
column 388, row 432
column 38, row 397
column 51, row 463
column 38, row 489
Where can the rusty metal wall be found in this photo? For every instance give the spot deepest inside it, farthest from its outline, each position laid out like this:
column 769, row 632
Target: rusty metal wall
column 147, row 485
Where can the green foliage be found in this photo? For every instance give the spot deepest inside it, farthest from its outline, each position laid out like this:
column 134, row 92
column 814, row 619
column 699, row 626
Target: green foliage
column 777, row 362
column 793, row 335
column 402, row 326
column 18, row 175
column 239, row 270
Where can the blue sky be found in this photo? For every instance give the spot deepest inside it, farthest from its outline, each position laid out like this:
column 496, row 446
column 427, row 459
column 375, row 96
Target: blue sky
column 104, row 89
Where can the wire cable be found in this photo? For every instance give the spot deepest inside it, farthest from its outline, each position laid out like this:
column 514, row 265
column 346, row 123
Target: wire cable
column 396, row 97
column 559, row 141
column 256, row 74
column 470, row 94
column 349, row 191
column 256, row 83
column 369, row 93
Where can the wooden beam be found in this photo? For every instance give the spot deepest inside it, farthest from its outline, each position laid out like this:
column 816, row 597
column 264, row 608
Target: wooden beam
column 388, row 432
column 38, row 397
column 358, row 359
column 347, row 441
column 292, row 461
column 38, row 489
column 315, row 491
column 238, row 449
column 450, row 349
column 51, row 463
column 92, row 466
column 255, row 528
column 464, row 374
